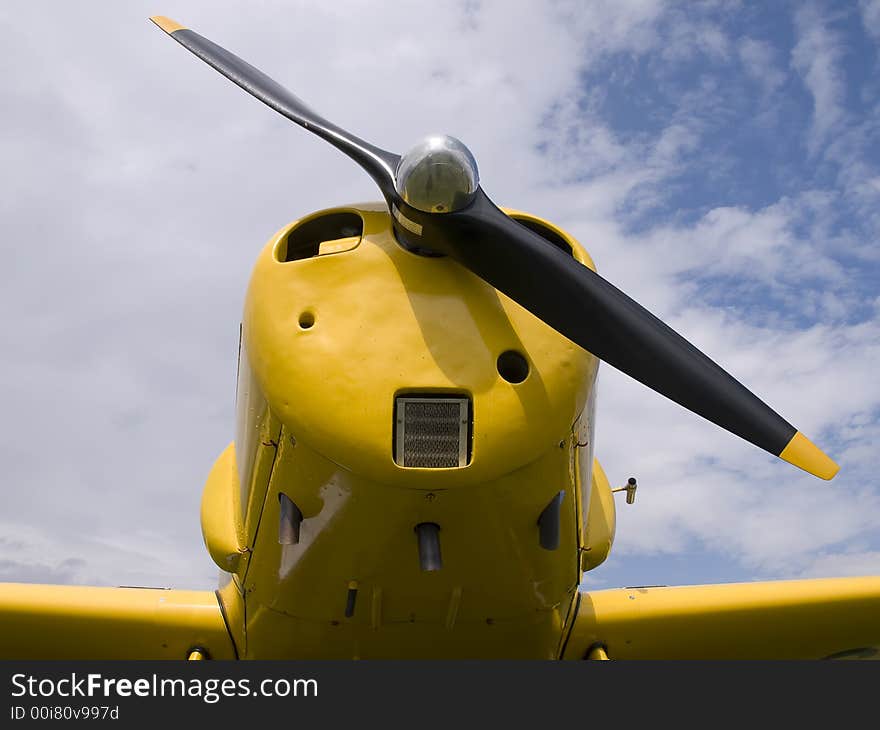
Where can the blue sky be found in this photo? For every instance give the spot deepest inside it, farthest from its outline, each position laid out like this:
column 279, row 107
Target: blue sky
column 778, row 103
column 718, row 160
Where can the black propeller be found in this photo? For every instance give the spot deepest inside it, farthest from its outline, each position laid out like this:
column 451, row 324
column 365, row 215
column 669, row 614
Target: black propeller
column 438, row 207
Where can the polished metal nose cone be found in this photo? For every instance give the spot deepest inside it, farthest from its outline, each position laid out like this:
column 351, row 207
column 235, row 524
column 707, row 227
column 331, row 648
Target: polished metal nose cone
column 438, row 175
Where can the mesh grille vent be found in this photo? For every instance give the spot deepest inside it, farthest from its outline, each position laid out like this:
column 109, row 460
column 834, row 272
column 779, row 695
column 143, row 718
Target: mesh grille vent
column 432, row 433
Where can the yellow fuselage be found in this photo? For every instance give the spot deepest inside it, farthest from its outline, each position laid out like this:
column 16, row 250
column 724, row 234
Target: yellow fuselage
column 329, row 341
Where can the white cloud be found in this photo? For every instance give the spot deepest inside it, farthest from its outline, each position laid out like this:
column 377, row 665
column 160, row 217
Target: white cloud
column 707, row 488
column 690, row 36
column 816, row 57
column 830, row 565
column 759, row 60
column 141, row 557
column 138, row 186
column 870, row 11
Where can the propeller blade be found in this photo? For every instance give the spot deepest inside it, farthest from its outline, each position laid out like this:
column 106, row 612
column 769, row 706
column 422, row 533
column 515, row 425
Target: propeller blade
column 569, row 297
column 594, row 314
column 379, row 164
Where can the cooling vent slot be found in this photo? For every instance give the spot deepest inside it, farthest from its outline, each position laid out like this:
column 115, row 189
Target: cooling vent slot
column 432, row 432
column 548, row 234
column 330, row 233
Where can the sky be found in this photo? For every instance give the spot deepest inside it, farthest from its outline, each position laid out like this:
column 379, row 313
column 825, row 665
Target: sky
column 719, row 160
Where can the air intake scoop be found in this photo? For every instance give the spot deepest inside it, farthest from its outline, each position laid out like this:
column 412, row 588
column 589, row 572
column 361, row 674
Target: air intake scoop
column 432, row 432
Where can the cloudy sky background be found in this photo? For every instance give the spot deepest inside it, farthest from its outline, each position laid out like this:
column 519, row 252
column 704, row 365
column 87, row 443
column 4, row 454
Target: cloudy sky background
column 719, row 160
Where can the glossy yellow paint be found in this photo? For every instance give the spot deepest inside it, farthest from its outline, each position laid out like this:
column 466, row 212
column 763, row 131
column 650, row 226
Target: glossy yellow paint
column 601, row 521
column 220, row 514
column 75, row 622
column 328, row 343
column 257, row 431
column 805, row 455
column 166, row 24
column 807, row 619
column 388, row 321
column 498, row 594
column 577, row 251
column 231, row 599
column 384, row 321
column 338, row 245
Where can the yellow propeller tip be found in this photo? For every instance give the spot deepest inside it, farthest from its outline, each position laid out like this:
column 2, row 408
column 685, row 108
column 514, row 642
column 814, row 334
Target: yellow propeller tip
column 166, row 24
column 805, row 455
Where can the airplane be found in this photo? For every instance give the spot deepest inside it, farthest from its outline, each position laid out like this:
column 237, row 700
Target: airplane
column 413, row 472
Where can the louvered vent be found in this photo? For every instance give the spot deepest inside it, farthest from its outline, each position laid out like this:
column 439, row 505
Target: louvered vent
column 432, row 433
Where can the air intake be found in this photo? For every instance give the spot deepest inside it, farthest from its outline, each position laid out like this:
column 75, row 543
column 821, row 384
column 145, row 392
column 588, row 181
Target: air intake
column 431, row 432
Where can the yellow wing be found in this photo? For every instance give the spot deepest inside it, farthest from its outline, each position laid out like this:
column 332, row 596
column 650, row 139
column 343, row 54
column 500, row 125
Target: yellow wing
column 75, row 622
column 804, row 619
